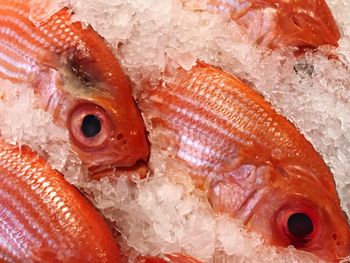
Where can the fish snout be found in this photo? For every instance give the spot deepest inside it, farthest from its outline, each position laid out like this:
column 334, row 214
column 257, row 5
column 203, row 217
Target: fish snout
column 135, row 147
column 127, row 152
column 337, row 249
column 341, row 243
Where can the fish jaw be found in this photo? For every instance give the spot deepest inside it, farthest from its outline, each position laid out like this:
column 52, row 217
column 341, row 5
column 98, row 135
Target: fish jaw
column 44, row 218
column 277, row 23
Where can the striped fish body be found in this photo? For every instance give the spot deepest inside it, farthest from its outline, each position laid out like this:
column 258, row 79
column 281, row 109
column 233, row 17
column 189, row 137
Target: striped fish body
column 244, row 154
column 279, row 23
column 75, row 75
column 45, row 219
column 29, row 43
column 223, row 124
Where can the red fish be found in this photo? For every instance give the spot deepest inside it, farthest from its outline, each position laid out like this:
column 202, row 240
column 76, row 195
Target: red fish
column 254, row 164
column 77, row 79
column 280, row 23
column 45, row 219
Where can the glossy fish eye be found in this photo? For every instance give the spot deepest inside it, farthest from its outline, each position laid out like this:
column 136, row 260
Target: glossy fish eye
column 89, row 126
column 298, row 225
column 299, row 229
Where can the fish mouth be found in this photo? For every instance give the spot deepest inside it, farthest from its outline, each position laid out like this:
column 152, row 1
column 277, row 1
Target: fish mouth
column 135, row 172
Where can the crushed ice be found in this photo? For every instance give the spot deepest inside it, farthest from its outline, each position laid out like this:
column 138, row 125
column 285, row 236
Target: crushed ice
column 165, row 213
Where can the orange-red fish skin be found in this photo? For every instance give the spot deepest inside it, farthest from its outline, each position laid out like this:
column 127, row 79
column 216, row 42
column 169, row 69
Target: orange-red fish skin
column 45, row 219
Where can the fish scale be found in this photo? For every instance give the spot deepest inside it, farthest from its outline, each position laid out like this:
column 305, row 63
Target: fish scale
column 34, row 227
column 231, row 111
column 27, row 43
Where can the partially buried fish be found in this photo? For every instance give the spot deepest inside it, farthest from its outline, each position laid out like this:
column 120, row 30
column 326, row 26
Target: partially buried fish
column 252, row 162
column 279, row 23
column 78, row 80
column 45, row 219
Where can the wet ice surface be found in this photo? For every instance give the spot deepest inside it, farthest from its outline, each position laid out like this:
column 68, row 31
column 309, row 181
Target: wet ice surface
column 166, row 213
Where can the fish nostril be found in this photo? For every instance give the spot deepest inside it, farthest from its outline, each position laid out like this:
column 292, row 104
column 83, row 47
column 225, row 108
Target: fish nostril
column 120, row 136
column 300, row 225
column 335, row 236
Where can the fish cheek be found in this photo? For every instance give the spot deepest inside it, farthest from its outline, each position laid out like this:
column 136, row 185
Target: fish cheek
column 227, row 197
column 230, row 192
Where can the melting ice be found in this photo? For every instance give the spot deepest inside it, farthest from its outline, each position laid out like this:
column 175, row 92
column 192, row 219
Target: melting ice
column 165, row 213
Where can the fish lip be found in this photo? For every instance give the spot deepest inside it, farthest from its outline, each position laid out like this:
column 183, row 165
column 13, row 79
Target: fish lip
column 139, row 170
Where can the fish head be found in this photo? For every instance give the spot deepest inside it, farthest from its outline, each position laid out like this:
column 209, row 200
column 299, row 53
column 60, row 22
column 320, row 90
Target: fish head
column 307, row 23
column 103, row 120
column 280, row 23
column 296, row 208
column 107, row 134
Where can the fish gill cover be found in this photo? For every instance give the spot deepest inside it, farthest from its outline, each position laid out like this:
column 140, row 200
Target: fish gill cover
column 166, row 213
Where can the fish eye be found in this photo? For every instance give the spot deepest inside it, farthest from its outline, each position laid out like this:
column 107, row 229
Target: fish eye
column 297, row 225
column 89, row 126
column 300, row 227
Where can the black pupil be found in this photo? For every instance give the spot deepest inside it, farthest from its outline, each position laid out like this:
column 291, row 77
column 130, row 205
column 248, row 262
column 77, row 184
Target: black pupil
column 91, row 126
column 300, row 225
